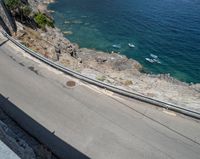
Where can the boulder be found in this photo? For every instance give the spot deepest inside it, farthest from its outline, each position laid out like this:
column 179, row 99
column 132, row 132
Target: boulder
column 100, row 59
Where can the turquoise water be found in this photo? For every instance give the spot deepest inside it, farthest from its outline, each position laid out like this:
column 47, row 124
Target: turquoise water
column 169, row 29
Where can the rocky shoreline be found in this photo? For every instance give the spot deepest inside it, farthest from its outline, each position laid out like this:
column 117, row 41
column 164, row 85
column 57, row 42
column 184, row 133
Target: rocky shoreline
column 111, row 68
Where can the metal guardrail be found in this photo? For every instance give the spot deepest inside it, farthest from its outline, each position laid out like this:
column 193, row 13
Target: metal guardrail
column 112, row 88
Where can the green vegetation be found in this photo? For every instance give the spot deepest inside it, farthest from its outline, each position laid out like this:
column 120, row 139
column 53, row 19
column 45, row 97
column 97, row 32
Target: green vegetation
column 128, row 83
column 101, row 78
column 19, row 10
column 26, row 10
column 42, row 20
column 12, row 4
column 23, row 13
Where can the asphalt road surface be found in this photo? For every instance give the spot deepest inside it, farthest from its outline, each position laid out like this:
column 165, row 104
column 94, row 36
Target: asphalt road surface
column 96, row 122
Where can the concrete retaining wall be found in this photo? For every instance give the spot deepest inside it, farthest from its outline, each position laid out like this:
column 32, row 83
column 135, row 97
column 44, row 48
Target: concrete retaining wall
column 55, row 144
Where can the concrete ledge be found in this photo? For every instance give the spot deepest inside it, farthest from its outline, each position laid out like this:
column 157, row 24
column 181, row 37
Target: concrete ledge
column 55, row 144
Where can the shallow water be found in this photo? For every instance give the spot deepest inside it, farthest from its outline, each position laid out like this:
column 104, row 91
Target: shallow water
column 169, row 29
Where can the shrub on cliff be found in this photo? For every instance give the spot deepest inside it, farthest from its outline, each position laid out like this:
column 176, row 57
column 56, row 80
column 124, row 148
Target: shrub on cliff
column 12, row 4
column 22, row 12
column 42, row 20
column 26, row 10
column 18, row 9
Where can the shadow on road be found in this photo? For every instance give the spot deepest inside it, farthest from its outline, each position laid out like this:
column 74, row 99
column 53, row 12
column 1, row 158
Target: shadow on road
column 60, row 148
column 2, row 43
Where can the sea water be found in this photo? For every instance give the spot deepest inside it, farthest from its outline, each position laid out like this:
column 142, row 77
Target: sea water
column 168, row 29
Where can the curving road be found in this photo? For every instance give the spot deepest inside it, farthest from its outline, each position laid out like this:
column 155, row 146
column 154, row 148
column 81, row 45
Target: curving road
column 95, row 122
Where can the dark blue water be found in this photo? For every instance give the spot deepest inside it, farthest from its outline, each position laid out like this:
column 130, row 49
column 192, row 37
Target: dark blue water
column 169, row 29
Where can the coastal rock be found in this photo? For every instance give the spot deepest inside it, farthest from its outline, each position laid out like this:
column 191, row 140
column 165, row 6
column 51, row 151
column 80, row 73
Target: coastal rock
column 57, row 49
column 100, row 59
column 42, row 8
column 62, row 45
column 71, row 49
column 196, row 87
column 125, row 64
column 108, row 62
column 54, row 55
column 121, row 65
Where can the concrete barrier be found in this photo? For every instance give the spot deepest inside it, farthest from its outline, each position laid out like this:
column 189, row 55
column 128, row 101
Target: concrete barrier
column 170, row 106
column 56, row 145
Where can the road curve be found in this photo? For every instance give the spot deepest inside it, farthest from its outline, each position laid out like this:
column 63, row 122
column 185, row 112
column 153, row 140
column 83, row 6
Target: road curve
column 97, row 124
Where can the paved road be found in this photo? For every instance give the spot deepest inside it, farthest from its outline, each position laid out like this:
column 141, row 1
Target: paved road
column 97, row 123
